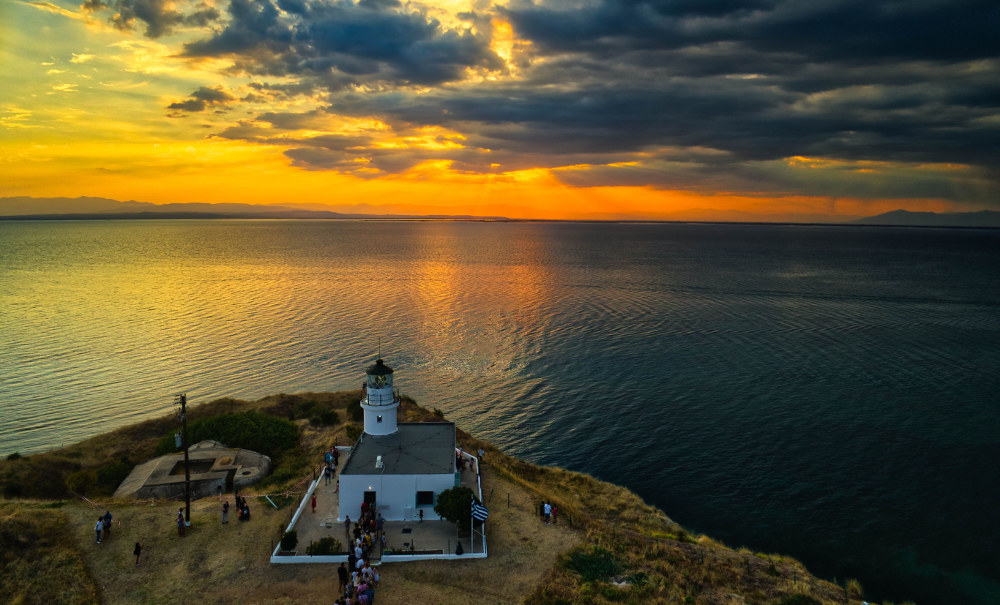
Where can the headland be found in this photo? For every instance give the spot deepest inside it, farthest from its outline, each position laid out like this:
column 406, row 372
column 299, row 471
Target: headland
column 608, row 546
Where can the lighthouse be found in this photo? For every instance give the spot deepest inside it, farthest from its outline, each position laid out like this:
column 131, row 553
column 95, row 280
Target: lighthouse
column 398, row 467
column 379, row 400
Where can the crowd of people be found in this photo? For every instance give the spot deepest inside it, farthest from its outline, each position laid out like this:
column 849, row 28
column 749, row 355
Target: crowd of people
column 242, row 508
column 357, row 587
column 330, row 459
column 359, row 579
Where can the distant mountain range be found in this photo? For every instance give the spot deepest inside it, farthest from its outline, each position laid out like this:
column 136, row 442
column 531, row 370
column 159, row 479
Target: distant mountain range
column 103, row 208
column 983, row 218
column 83, row 208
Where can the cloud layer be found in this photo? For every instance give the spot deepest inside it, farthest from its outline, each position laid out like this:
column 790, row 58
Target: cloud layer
column 833, row 97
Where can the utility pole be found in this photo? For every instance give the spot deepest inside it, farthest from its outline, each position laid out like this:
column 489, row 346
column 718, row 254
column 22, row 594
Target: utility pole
column 182, row 401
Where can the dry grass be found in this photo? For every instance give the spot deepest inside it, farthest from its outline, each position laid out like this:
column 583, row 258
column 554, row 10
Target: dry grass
column 39, row 560
column 527, row 563
column 222, row 564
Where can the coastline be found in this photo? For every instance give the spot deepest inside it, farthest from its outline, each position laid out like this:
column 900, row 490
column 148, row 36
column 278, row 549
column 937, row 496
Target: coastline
column 655, row 559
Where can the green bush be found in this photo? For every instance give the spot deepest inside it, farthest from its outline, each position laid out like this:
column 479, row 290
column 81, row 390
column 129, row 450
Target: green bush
column 289, row 540
column 82, row 482
column 111, row 475
column 455, row 505
column 355, row 412
column 317, row 413
column 596, row 565
column 249, row 430
column 353, row 431
column 326, row 546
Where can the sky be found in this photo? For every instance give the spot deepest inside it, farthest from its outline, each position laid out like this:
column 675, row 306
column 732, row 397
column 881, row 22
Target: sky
column 560, row 109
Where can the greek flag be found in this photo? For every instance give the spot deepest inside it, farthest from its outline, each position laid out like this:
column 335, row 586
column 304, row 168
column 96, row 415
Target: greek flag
column 479, row 512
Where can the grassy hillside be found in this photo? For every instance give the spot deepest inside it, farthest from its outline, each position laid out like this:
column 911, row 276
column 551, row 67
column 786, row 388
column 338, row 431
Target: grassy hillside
column 609, row 545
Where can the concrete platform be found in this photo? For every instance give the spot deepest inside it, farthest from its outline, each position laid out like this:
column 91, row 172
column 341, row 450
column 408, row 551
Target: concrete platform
column 215, row 469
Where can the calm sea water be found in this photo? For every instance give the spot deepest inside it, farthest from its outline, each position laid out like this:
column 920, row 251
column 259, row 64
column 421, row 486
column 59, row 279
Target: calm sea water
column 829, row 393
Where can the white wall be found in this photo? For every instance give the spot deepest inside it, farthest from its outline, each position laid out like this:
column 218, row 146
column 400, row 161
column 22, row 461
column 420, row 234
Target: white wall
column 396, row 494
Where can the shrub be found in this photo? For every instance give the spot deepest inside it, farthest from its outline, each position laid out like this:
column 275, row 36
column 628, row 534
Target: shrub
column 455, row 505
column 111, row 475
column 249, row 430
column 355, row 412
column 13, row 456
column 326, row 546
column 289, row 540
column 596, row 565
column 82, row 482
column 353, row 431
column 317, row 413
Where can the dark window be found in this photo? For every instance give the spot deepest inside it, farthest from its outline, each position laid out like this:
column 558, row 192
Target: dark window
column 378, row 419
column 425, row 498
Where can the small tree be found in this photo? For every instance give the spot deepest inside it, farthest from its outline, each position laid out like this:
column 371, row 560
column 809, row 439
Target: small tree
column 455, row 505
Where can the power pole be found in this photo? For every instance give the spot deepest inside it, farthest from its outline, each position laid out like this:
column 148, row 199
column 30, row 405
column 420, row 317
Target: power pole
column 182, row 400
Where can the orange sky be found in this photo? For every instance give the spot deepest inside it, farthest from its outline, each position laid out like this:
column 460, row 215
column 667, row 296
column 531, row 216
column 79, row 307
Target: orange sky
column 180, row 108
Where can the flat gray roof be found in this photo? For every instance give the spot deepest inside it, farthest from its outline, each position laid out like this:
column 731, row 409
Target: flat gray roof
column 417, row 448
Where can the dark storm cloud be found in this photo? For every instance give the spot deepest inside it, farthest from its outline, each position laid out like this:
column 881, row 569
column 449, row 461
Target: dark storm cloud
column 204, row 98
column 665, row 93
column 838, row 30
column 361, row 42
column 159, row 16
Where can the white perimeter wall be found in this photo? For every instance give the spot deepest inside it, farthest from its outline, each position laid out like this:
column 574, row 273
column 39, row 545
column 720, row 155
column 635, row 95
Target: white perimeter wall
column 396, row 495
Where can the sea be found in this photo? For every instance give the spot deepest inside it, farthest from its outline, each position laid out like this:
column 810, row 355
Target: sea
column 825, row 392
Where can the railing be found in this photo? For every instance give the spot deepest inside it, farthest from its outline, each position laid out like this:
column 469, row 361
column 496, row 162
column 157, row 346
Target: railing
column 370, row 398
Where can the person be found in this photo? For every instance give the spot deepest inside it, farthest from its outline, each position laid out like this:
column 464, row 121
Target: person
column 342, row 576
column 347, row 527
column 379, row 523
column 375, row 576
column 327, row 475
column 421, row 516
column 555, row 513
column 98, row 528
column 313, row 503
column 137, row 551
column 180, row 522
column 547, row 511
column 246, row 511
column 370, row 593
column 329, row 457
column 225, row 512
column 107, row 524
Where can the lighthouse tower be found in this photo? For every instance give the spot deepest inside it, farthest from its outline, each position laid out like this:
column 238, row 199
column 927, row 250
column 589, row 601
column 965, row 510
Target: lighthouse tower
column 379, row 401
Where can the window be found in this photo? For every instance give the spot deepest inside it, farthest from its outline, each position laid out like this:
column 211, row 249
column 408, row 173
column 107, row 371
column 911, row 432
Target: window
column 378, row 419
column 425, row 498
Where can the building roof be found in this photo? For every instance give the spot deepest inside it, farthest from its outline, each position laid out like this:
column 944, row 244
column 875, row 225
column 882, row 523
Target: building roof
column 417, row 448
column 378, row 368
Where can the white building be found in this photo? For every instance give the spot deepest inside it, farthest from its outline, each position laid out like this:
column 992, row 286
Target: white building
column 400, row 467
